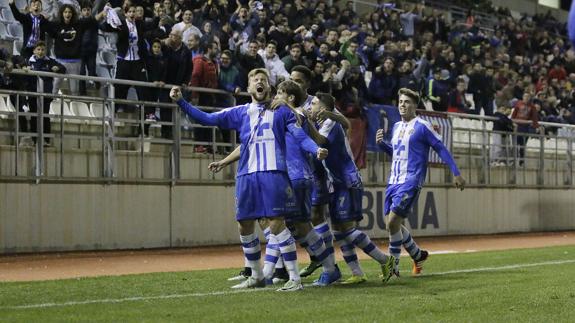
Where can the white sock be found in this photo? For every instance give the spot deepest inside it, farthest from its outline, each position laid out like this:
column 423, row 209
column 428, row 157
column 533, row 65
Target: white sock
column 288, row 251
column 252, row 254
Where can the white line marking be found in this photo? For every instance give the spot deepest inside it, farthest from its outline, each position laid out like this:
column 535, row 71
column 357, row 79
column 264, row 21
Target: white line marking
column 145, row 298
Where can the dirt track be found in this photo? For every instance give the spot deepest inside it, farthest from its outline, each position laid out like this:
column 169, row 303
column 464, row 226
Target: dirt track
column 104, row 263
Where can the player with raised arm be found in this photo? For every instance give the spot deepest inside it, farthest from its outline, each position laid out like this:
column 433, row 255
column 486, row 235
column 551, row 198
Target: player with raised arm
column 412, row 137
column 345, row 201
column 299, row 170
column 320, row 189
column 263, row 189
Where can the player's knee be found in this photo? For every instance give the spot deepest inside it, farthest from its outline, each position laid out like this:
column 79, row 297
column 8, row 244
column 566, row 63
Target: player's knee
column 246, row 227
column 394, row 222
column 277, row 225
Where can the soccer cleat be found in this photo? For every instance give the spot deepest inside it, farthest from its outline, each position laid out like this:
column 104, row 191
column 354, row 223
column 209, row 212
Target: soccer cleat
column 250, row 282
column 418, row 264
column 307, row 271
column 280, row 276
column 291, row 286
column 328, row 278
column 243, row 275
column 387, row 269
column 355, row 279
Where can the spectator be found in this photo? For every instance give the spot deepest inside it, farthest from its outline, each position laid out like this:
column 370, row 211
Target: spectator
column 88, row 48
column 186, row 26
column 34, row 26
column 194, row 45
column 408, row 20
column 40, row 62
column 294, row 57
column 274, row 64
column 525, row 111
column 131, row 53
column 349, row 51
column 68, row 33
column 248, row 61
column 179, row 71
column 204, row 74
column 321, row 80
column 500, row 145
column 384, row 84
column 437, row 90
column 412, row 78
column 457, row 101
column 156, row 65
column 228, row 78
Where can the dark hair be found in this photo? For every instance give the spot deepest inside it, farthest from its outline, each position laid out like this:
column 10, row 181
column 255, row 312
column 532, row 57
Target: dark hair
column 86, row 4
column 326, row 100
column 273, row 42
column 292, row 88
column 295, row 45
column 228, row 53
column 61, row 13
column 303, row 70
column 40, row 44
column 156, row 40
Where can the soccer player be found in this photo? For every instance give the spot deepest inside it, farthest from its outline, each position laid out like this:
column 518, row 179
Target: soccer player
column 411, row 139
column 263, row 189
column 320, row 189
column 345, row 201
column 300, row 175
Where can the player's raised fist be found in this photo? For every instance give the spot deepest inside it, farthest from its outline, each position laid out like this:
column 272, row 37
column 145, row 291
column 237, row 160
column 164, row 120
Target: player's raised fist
column 321, row 153
column 175, row 93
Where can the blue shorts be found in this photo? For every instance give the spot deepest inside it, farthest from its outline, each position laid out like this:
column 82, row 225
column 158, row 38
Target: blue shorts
column 345, row 204
column 320, row 191
column 302, row 193
column 264, row 195
column 400, row 198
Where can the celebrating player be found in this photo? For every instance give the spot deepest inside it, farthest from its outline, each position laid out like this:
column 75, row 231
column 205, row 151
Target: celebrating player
column 345, row 201
column 263, row 189
column 410, row 143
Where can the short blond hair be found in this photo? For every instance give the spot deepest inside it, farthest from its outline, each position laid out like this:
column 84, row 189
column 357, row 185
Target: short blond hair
column 410, row 93
column 257, row 71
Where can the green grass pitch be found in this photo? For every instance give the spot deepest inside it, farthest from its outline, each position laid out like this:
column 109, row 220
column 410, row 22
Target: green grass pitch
column 526, row 285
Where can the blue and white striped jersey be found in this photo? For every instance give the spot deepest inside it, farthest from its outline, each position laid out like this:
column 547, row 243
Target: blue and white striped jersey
column 298, row 160
column 339, row 163
column 262, row 133
column 410, row 143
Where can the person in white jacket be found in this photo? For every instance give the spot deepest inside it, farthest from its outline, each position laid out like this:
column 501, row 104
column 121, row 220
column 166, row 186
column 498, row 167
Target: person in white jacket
column 274, row 64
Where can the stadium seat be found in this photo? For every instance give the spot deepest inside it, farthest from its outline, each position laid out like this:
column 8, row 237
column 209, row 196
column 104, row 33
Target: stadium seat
column 101, row 111
column 55, row 109
column 81, row 109
column 5, row 108
column 4, row 4
column 4, row 34
column 15, row 31
column 6, row 15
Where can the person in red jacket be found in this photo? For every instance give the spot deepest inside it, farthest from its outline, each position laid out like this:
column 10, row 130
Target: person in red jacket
column 525, row 110
column 204, row 74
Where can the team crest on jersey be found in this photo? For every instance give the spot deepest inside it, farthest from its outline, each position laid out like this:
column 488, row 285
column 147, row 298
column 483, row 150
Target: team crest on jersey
column 401, row 133
column 411, row 131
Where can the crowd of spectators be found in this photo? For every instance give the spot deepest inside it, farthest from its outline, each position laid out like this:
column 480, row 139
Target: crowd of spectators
column 362, row 59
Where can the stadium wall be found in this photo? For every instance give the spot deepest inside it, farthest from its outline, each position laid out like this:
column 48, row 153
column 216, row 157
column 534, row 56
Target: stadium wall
column 61, row 217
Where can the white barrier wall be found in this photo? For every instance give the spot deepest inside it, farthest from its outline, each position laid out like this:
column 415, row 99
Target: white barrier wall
column 58, row 217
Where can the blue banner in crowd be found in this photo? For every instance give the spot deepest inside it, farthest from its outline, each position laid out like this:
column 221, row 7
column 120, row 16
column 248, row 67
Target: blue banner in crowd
column 380, row 117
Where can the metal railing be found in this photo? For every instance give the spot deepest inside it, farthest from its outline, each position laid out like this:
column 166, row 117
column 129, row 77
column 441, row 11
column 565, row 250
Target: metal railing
column 547, row 161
